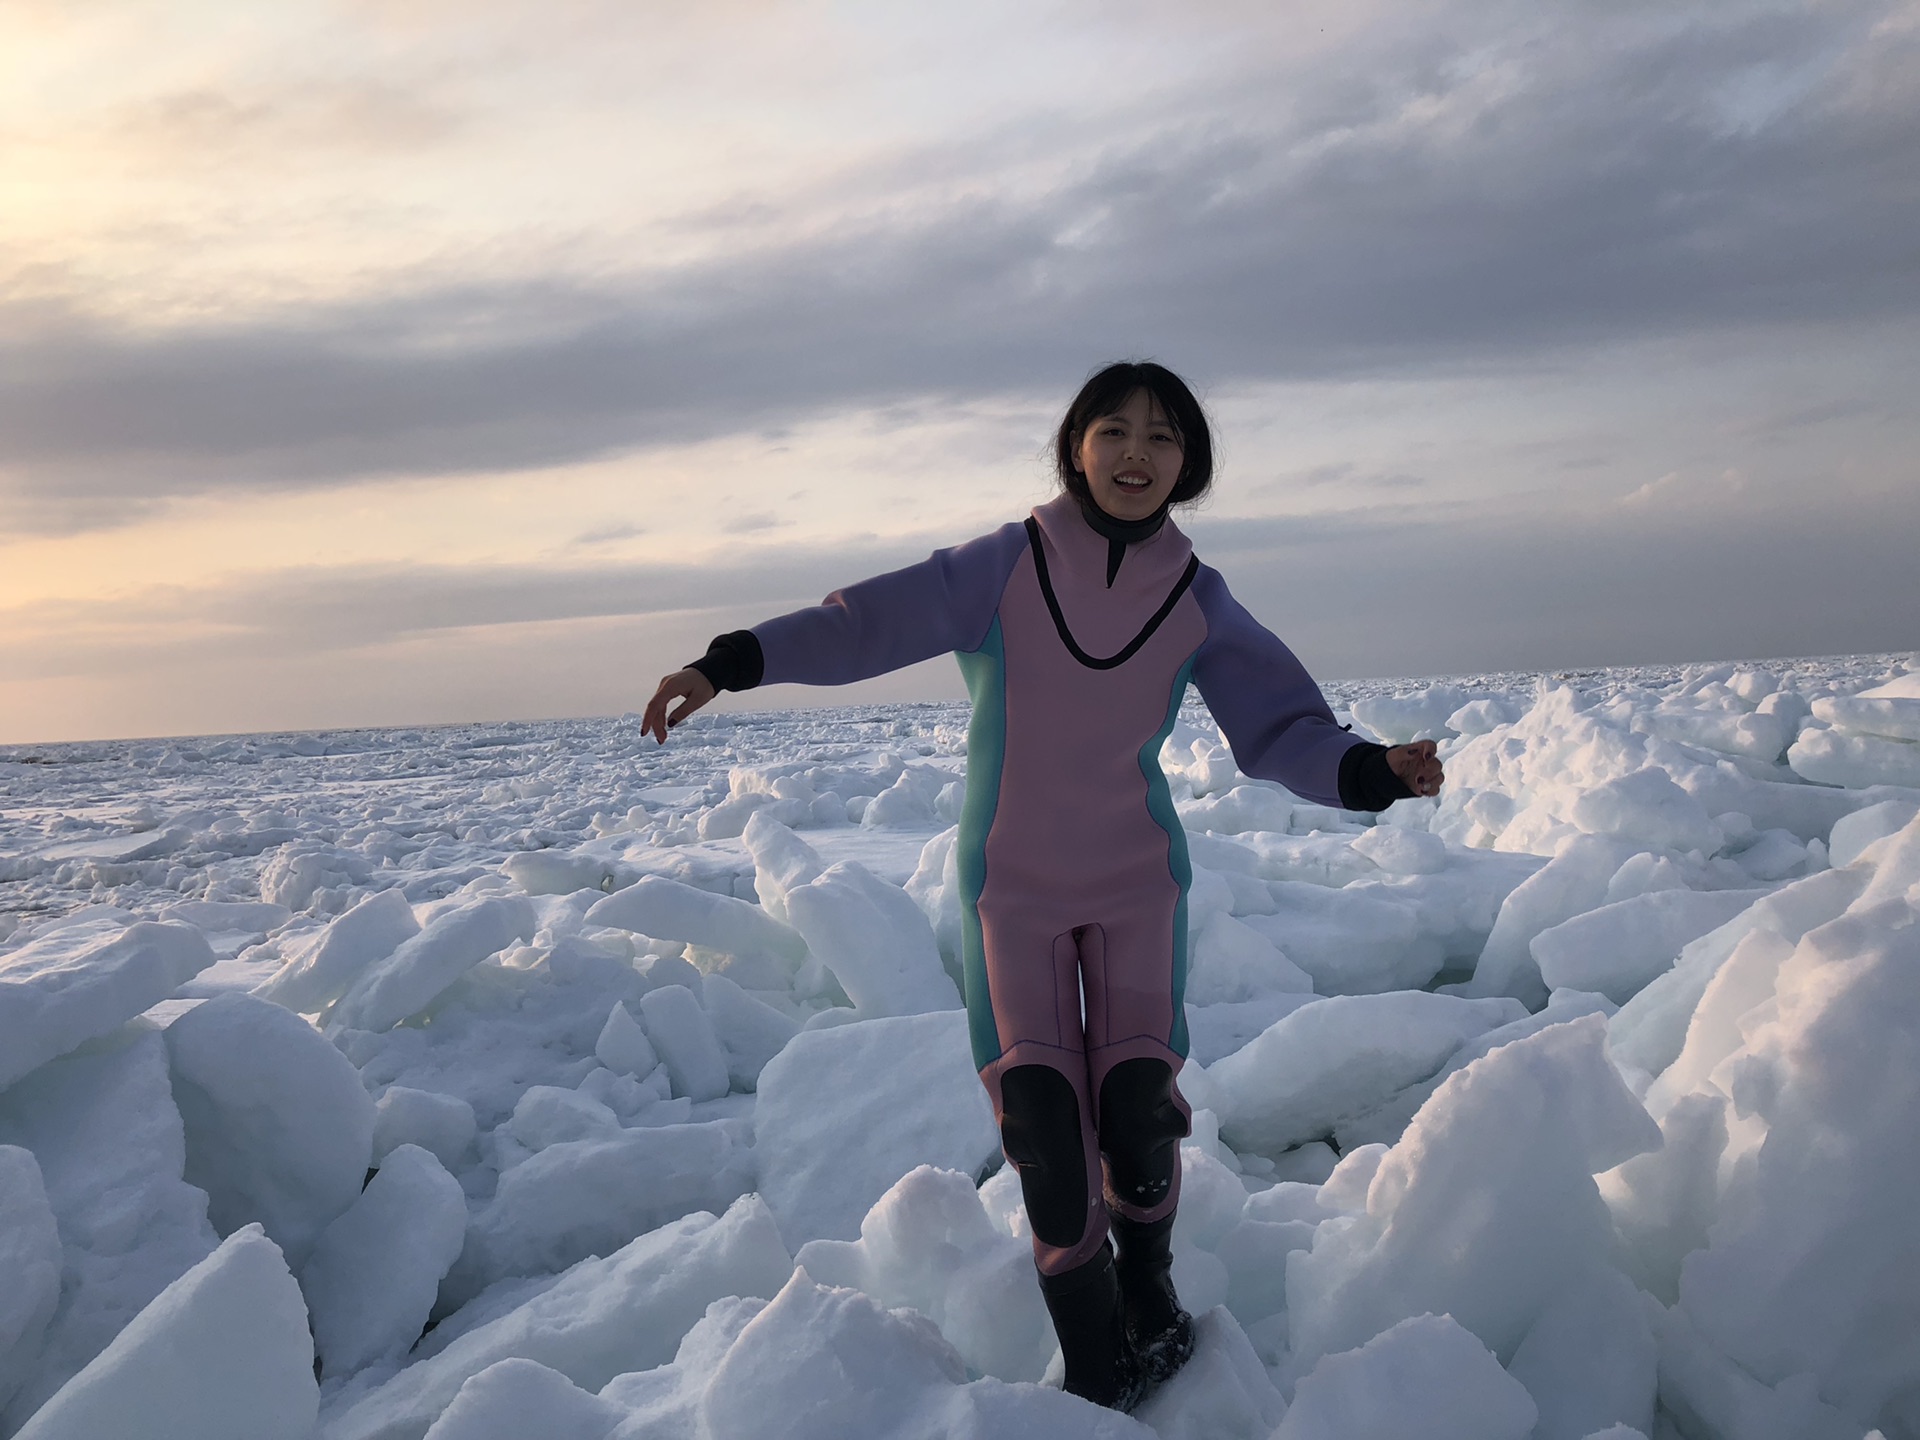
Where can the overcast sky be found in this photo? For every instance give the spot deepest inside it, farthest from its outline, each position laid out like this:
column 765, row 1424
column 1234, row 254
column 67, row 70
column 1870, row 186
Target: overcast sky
column 382, row 362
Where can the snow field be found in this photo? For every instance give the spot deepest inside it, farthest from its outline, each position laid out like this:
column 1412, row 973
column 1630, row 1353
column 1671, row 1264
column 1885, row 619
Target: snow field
column 543, row 1082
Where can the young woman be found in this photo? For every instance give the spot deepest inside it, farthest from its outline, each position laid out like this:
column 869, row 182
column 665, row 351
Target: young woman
column 1078, row 631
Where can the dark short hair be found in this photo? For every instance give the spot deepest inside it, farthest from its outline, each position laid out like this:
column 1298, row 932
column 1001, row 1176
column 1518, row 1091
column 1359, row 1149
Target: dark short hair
column 1106, row 391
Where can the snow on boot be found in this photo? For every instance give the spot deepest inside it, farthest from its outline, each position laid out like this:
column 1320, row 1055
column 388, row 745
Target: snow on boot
column 1159, row 1331
column 1085, row 1305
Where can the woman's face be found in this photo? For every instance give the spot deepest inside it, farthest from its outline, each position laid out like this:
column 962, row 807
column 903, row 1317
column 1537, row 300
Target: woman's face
column 1131, row 459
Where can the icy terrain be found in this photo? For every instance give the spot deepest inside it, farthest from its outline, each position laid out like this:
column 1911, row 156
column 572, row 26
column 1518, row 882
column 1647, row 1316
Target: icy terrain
column 531, row 1080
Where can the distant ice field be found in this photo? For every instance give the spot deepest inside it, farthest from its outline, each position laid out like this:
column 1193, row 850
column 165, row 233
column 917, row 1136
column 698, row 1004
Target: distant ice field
column 532, row 1079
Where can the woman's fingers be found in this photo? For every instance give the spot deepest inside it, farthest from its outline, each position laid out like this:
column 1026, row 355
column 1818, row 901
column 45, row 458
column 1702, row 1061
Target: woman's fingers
column 1418, row 766
column 689, row 687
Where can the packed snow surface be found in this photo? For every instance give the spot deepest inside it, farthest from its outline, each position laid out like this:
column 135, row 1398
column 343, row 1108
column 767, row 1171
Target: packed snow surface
column 532, row 1079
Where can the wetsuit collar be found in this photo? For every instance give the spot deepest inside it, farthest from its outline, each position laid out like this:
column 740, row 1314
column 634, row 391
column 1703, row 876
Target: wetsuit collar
column 1119, row 533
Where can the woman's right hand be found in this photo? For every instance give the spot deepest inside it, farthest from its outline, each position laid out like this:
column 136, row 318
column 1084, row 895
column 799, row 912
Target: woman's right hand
column 689, row 687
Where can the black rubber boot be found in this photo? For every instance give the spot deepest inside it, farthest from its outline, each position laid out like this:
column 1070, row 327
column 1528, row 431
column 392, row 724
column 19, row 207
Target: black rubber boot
column 1085, row 1305
column 1159, row 1332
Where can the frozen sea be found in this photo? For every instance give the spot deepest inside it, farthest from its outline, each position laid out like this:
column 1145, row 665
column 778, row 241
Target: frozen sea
column 532, row 1080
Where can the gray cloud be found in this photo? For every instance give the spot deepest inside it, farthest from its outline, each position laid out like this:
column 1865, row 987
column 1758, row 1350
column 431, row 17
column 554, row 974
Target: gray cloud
column 1481, row 192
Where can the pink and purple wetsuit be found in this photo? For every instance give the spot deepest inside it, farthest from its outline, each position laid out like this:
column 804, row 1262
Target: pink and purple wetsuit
column 1072, row 863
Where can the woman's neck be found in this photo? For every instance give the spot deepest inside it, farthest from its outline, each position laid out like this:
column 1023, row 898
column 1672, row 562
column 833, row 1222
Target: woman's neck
column 1119, row 533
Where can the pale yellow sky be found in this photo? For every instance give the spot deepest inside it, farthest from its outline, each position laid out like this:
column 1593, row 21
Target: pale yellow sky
column 504, row 300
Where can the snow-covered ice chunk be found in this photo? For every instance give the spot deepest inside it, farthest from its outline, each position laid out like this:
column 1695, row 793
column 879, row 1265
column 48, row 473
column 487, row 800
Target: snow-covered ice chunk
column 257, row 918
column 65, row 987
column 910, row 803
column 548, row 1115
column 1663, row 1201
column 1618, row 949
column 1857, row 761
column 517, row 1399
column 365, row 935
column 824, row 1364
column 1808, row 1266
column 1571, row 883
column 1756, row 736
column 935, row 887
column 1486, row 1207
column 1481, row 717
column 103, row 1126
column 623, row 1046
column 279, row 1128
column 1776, row 854
column 1852, row 834
column 1232, row 962
column 412, row 977
column 669, row 910
column 1891, row 710
column 1340, row 1057
column 1590, row 1361
column 1647, row 809
column 1712, row 1395
column 1349, row 941
column 30, row 1261
column 605, row 1317
column 1397, row 719
column 782, row 862
column 299, row 871
column 1649, row 1032
column 375, row 1271
column 927, row 1245
column 682, row 1035
column 750, row 1031
column 221, row 1354
column 443, row 1124
column 1214, row 1031
column 845, row 1112
column 1388, row 1122
column 1426, row 1378
column 589, row 1197
column 875, row 940
column 562, row 872
column 1239, row 810
column 1400, row 851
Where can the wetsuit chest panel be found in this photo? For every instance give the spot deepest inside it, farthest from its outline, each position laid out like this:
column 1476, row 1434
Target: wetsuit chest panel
column 1073, row 818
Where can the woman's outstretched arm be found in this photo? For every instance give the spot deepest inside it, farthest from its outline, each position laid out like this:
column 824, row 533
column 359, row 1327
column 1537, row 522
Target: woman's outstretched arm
column 944, row 603
column 1280, row 726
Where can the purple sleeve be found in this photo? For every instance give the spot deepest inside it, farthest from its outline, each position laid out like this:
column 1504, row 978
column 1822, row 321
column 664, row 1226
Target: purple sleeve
column 946, row 602
column 1273, row 715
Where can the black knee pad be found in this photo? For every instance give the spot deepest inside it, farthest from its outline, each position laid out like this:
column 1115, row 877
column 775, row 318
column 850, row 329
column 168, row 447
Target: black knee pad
column 1040, row 1128
column 1140, row 1130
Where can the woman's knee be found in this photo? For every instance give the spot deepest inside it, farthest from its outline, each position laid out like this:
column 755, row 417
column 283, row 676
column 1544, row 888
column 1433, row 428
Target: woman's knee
column 1141, row 1125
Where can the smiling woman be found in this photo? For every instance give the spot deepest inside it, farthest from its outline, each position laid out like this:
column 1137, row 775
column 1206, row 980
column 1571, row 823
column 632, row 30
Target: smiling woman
column 1079, row 631
column 1134, row 442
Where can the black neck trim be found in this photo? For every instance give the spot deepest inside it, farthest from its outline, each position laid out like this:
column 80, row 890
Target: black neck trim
column 1119, row 533
column 1132, row 647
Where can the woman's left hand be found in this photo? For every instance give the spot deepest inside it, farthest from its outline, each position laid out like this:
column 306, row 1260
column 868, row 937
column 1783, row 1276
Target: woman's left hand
column 1418, row 766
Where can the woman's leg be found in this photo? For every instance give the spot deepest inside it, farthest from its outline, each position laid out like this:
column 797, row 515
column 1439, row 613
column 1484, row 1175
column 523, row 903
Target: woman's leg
column 1039, row 1085
column 1132, row 995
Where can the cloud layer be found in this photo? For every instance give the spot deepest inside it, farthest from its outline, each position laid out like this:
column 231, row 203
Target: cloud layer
column 1468, row 186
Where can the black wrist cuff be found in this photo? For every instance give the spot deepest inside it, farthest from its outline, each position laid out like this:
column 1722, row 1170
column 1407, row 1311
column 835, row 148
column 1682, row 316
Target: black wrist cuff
column 1367, row 781
column 733, row 661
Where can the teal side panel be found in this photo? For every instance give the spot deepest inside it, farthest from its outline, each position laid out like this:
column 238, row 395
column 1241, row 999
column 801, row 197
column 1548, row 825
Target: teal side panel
column 1160, row 807
column 985, row 671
